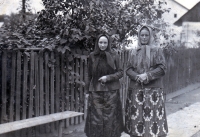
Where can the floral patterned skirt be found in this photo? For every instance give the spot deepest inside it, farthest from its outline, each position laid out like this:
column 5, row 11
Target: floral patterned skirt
column 145, row 113
column 104, row 117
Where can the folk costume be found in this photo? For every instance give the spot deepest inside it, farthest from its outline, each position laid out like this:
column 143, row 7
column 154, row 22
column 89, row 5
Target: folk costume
column 145, row 109
column 104, row 115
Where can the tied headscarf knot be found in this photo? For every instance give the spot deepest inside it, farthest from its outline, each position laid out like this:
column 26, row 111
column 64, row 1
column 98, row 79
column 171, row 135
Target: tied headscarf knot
column 147, row 55
column 143, row 60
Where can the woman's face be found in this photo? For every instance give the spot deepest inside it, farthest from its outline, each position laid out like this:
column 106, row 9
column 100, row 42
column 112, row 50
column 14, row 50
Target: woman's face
column 103, row 43
column 144, row 36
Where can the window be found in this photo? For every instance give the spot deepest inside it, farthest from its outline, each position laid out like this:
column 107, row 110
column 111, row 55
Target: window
column 175, row 15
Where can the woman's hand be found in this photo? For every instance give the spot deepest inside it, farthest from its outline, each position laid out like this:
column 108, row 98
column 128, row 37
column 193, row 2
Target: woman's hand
column 103, row 79
column 141, row 77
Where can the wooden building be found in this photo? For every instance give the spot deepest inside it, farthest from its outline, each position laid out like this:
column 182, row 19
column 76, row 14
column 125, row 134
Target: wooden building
column 190, row 23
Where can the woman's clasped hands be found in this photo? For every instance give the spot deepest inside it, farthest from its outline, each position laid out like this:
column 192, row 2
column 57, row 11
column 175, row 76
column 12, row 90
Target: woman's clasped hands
column 142, row 78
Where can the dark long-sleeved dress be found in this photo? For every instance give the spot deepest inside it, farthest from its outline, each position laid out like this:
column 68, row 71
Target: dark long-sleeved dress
column 145, row 109
column 104, row 115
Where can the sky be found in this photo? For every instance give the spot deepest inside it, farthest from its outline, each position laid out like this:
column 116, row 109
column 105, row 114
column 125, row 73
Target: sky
column 9, row 6
column 188, row 3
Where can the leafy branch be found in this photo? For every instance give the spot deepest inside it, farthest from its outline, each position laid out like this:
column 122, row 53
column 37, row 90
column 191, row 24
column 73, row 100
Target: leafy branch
column 68, row 24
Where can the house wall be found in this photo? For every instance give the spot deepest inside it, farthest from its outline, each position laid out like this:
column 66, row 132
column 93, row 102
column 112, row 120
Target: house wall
column 190, row 34
column 175, row 9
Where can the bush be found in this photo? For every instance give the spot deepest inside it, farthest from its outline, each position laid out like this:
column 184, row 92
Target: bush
column 67, row 24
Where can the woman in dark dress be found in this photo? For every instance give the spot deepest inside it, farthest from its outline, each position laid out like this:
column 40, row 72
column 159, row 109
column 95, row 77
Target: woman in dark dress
column 104, row 116
column 145, row 109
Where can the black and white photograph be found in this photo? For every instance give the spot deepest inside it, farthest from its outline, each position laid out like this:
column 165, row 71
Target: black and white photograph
column 99, row 68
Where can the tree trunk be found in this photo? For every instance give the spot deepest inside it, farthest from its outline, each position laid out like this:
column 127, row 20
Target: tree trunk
column 23, row 9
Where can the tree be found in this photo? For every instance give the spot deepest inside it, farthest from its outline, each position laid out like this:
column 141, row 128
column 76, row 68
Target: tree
column 25, row 6
column 66, row 24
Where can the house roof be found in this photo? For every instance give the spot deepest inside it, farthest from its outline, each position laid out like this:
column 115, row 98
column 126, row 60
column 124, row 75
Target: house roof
column 193, row 15
column 180, row 4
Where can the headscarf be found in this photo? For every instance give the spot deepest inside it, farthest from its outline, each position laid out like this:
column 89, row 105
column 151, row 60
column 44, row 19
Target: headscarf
column 151, row 38
column 108, row 51
column 104, row 63
column 146, row 49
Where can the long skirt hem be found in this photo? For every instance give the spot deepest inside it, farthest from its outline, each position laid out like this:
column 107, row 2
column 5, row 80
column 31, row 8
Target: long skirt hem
column 104, row 115
column 145, row 114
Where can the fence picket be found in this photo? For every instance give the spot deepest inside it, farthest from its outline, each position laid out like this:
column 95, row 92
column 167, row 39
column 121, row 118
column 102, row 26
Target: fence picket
column 52, row 99
column 76, row 92
column 41, row 82
column 12, row 92
column 81, row 102
column 31, row 110
column 72, row 90
column 36, row 85
column 62, row 90
column 4, row 88
column 67, row 87
column 52, row 73
column 47, row 99
column 25, row 83
column 18, row 86
column 57, row 91
column 85, row 79
column 46, row 83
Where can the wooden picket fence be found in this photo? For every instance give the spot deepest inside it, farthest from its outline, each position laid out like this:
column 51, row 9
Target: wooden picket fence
column 36, row 82
column 39, row 83
column 183, row 68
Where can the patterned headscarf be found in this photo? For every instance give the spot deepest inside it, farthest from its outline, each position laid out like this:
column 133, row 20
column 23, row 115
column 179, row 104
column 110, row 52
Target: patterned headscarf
column 146, row 49
column 151, row 40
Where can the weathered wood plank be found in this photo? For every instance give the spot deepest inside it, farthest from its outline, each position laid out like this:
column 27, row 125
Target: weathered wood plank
column 46, row 83
column 13, row 73
column 57, row 84
column 18, row 85
column 62, row 87
column 31, row 111
column 77, row 99
column 57, row 92
column 67, row 86
column 60, row 131
column 47, row 88
column 52, row 73
column 52, row 90
column 84, row 89
column 41, row 82
column 41, row 87
column 26, row 123
column 72, row 84
column 62, row 90
column 36, row 86
column 4, row 87
column 24, row 90
column 81, row 103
